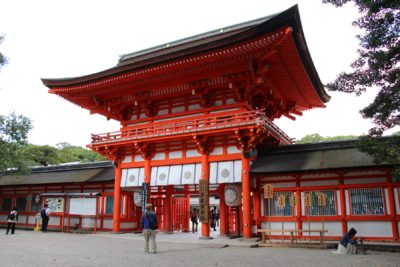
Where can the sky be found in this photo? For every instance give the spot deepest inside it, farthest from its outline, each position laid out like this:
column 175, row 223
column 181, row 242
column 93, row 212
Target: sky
column 59, row 39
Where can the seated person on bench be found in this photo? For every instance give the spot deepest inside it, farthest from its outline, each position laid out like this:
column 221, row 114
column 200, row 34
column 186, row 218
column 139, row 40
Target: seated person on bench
column 348, row 243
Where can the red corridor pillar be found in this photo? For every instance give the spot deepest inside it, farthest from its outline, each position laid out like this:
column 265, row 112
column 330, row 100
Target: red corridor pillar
column 246, row 197
column 223, row 219
column 117, row 198
column 205, row 175
column 147, row 177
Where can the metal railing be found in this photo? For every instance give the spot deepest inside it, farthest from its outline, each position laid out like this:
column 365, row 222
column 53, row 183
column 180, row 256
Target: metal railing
column 200, row 125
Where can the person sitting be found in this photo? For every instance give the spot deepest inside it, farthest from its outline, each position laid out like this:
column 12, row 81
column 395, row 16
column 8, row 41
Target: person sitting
column 348, row 243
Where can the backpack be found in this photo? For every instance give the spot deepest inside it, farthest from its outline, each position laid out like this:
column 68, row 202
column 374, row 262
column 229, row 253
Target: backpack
column 12, row 216
column 43, row 213
column 152, row 219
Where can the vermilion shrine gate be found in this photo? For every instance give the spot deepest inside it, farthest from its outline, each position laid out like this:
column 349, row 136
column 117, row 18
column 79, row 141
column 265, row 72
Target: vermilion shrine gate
column 197, row 109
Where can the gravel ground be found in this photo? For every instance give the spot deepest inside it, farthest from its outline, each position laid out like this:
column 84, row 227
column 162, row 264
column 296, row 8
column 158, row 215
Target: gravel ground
column 27, row 248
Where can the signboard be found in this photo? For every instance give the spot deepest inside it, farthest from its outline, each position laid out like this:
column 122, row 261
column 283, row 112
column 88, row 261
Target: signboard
column 281, row 201
column 308, row 200
column 293, row 200
column 82, row 206
column 321, row 199
column 56, row 204
column 144, row 195
column 268, row 191
column 203, row 200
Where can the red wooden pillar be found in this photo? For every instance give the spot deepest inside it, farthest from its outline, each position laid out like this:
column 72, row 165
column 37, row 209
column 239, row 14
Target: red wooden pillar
column 343, row 204
column 205, row 175
column 147, row 177
column 257, row 206
column 117, row 198
column 223, row 211
column 298, row 207
column 168, row 209
column 186, row 215
column 246, row 197
column 395, row 228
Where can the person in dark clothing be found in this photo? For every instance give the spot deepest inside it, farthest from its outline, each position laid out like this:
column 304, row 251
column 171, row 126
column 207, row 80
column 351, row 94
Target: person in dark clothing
column 348, row 243
column 45, row 214
column 213, row 219
column 149, row 223
column 12, row 218
column 194, row 217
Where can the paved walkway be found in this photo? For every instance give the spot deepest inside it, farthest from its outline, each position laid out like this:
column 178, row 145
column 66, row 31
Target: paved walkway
column 28, row 248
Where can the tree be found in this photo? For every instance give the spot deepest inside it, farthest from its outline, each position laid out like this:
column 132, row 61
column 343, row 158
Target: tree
column 70, row 153
column 377, row 67
column 3, row 59
column 316, row 138
column 13, row 134
column 44, row 155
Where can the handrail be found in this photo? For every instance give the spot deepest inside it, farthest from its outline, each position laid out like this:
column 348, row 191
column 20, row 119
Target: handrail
column 249, row 118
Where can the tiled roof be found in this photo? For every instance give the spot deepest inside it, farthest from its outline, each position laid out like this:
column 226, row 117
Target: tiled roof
column 73, row 173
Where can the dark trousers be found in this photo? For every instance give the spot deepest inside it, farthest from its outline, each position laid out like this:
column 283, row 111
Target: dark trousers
column 45, row 222
column 12, row 226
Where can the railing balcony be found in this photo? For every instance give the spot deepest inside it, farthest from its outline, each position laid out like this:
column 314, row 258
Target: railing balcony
column 210, row 124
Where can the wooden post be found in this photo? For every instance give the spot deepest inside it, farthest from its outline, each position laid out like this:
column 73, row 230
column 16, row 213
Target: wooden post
column 168, row 209
column 395, row 228
column 205, row 175
column 342, row 204
column 117, row 198
column 247, row 224
column 223, row 220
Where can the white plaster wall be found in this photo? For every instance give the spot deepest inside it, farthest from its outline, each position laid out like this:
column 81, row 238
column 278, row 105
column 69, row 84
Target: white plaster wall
column 278, row 226
column 223, row 110
column 230, row 101
column 127, row 225
column 159, row 156
column 387, row 206
column 138, row 158
column 193, row 107
column 346, row 199
column 178, row 109
column 107, row 223
column 372, row 229
column 217, row 151
column 334, row 228
column 192, row 153
column 232, row 150
column 396, row 200
column 127, row 159
column 218, row 103
column 175, row 154
column 162, row 112
column 339, row 212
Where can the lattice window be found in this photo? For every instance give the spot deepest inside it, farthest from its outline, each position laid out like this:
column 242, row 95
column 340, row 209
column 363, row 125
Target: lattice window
column 21, row 203
column 368, row 201
column 109, row 205
column 275, row 210
column 316, row 210
column 6, row 204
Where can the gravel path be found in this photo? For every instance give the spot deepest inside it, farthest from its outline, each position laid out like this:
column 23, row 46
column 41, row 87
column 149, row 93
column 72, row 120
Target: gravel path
column 27, row 248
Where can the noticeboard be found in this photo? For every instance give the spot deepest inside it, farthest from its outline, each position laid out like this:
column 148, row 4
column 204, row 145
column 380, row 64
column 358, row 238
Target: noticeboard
column 203, row 201
column 268, row 191
column 82, row 206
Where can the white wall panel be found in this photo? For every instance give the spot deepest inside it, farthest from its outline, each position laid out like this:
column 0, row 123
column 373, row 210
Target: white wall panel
column 237, row 171
column 188, row 173
column 192, row 153
column 217, row 151
column 138, row 158
column 141, row 176
column 153, row 176
column 175, row 174
column 372, row 229
column 123, row 177
column 213, row 172
column 388, row 210
column 347, row 201
column 232, row 150
column 162, row 175
column 197, row 173
column 175, row 154
column 364, row 181
column 127, row 159
column 159, row 156
column 339, row 212
column 132, row 177
column 284, row 185
column 225, row 172
column 396, row 200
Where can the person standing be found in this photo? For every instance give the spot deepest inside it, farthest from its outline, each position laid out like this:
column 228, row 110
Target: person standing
column 45, row 214
column 149, row 224
column 217, row 217
column 212, row 219
column 12, row 218
column 195, row 220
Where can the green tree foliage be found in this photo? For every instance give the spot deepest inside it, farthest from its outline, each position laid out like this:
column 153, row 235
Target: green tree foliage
column 70, row 153
column 3, row 59
column 316, row 138
column 14, row 130
column 377, row 67
column 44, row 155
